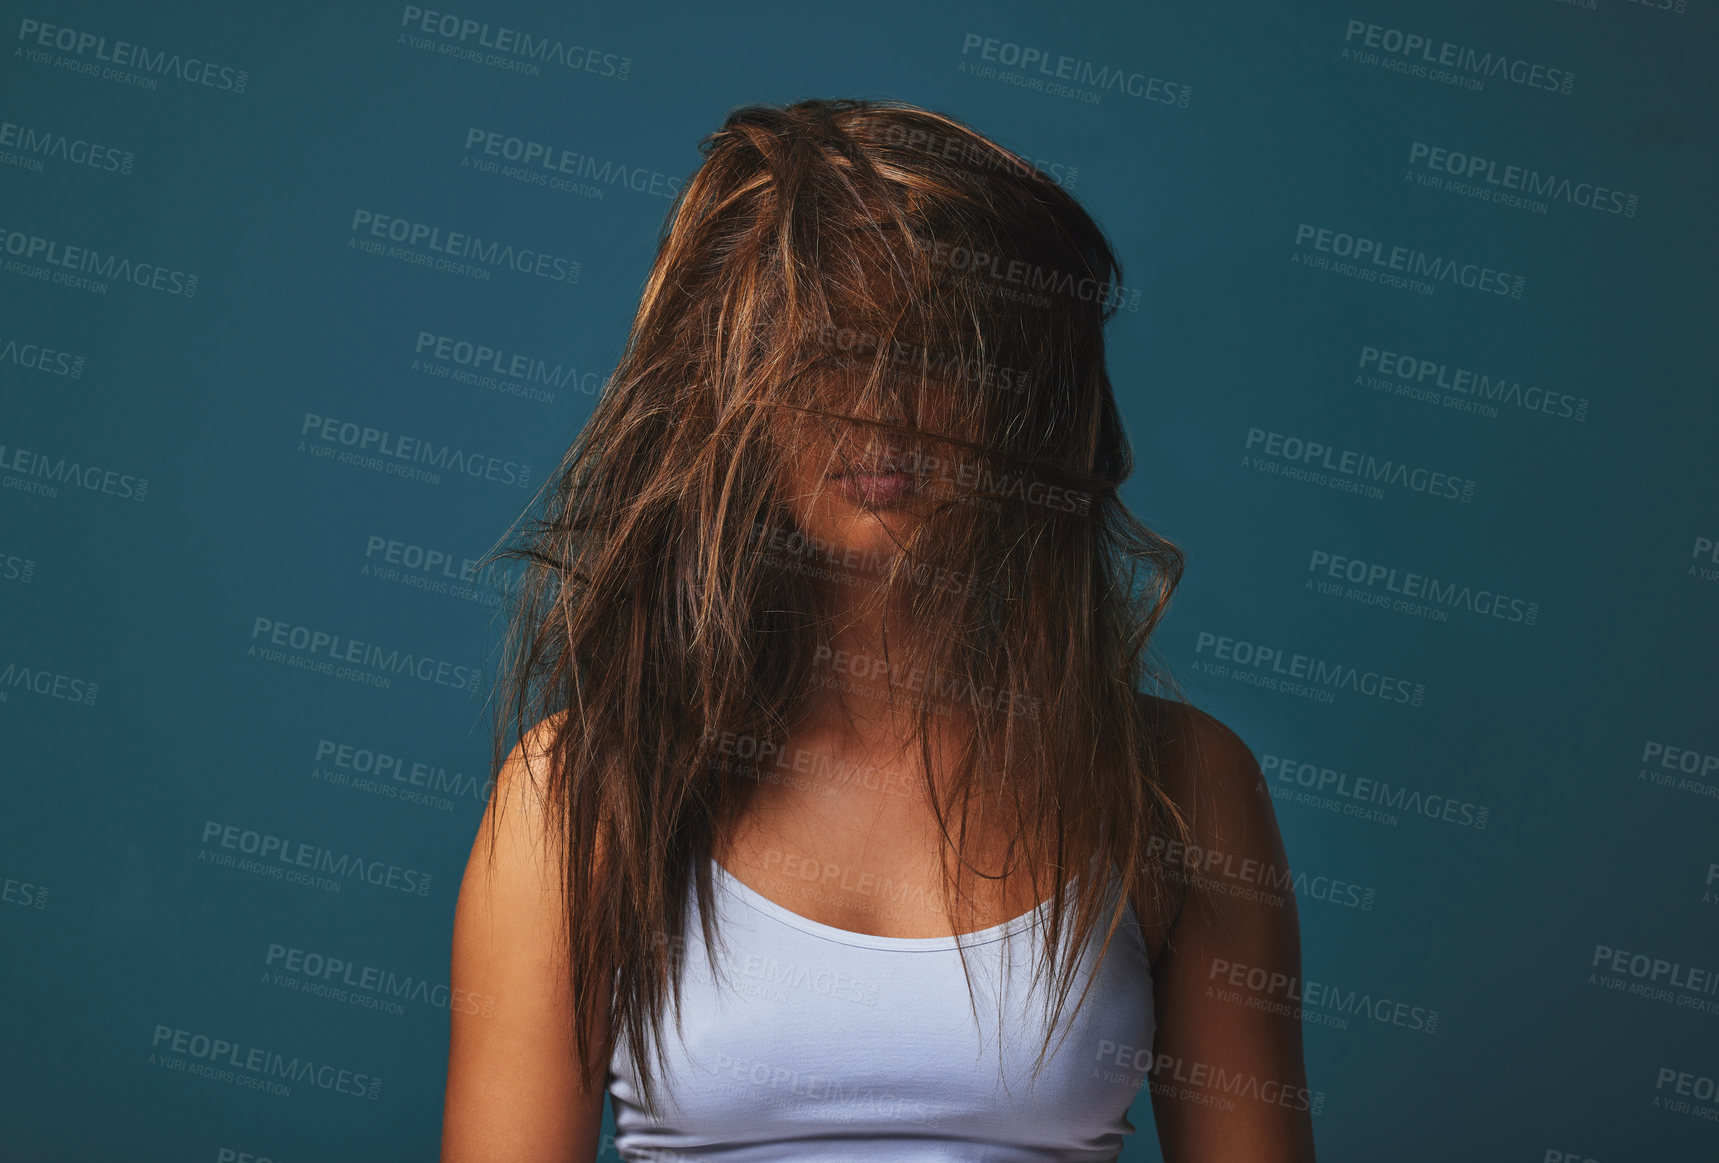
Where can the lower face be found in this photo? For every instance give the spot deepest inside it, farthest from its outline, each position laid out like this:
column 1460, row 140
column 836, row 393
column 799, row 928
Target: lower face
column 847, row 490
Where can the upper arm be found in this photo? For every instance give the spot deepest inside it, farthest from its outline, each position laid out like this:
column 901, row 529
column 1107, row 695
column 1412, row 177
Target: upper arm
column 514, row 1094
column 1228, row 1079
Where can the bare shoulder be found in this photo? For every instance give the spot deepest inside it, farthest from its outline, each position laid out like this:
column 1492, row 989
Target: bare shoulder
column 514, row 843
column 523, row 776
column 514, row 1091
column 1213, row 778
column 1237, row 922
column 1204, row 764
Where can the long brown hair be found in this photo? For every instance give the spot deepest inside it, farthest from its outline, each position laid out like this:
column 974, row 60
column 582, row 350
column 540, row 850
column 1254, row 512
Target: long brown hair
column 843, row 262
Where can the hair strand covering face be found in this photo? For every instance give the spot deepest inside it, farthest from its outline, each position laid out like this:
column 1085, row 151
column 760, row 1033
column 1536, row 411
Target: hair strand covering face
column 836, row 267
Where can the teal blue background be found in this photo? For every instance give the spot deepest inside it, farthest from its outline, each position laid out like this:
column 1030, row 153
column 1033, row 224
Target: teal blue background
column 105, row 802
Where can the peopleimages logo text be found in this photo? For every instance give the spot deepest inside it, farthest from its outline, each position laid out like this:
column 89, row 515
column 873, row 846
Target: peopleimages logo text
column 321, row 644
column 1356, row 248
column 126, row 55
column 96, row 263
column 45, row 472
column 1278, row 662
column 485, row 252
column 1076, row 71
column 37, row 144
column 1463, row 58
column 1362, row 465
column 345, row 866
column 396, row 446
column 1523, row 179
column 264, row 1063
column 500, row 39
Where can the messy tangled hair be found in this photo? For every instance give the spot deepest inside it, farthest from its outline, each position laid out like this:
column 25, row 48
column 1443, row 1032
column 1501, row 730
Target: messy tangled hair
column 836, row 266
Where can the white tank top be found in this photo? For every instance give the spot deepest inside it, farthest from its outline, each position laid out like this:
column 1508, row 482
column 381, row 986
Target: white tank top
column 823, row 1043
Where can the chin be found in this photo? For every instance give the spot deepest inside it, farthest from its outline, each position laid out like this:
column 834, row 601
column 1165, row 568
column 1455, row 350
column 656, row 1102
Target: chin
column 859, row 531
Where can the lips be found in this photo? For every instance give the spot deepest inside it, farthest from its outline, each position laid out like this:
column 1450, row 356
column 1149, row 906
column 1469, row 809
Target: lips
column 877, row 489
column 876, row 480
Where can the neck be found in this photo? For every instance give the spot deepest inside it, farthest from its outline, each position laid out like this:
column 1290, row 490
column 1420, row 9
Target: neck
column 869, row 635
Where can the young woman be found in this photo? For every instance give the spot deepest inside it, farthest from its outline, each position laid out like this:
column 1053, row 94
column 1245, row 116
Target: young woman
column 840, row 823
